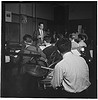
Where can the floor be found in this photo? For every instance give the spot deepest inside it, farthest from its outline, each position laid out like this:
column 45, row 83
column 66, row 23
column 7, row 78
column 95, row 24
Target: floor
column 25, row 85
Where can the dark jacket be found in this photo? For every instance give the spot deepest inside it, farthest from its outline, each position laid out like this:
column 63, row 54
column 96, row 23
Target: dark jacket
column 36, row 34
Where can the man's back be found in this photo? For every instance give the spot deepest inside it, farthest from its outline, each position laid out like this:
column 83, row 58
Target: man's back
column 74, row 72
column 32, row 50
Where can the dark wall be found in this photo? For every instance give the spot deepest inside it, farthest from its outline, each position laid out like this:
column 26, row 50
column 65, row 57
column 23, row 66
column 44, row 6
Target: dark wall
column 66, row 16
column 61, row 15
column 86, row 24
column 89, row 23
column 27, row 9
column 12, row 32
column 80, row 10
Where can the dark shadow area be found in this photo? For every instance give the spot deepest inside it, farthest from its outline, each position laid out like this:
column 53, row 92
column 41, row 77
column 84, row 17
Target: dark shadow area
column 25, row 85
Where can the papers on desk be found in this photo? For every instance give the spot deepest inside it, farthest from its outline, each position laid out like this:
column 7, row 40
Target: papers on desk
column 7, row 59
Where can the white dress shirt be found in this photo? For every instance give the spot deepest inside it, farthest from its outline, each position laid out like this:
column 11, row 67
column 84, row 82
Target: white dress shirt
column 72, row 72
column 74, row 47
column 74, row 44
column 48, row 44
column 42, row 47
column 41, row 34
column 76, row 52
column 82, row 43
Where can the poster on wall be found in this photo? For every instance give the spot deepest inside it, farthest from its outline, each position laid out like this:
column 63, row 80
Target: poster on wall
column 8, row 16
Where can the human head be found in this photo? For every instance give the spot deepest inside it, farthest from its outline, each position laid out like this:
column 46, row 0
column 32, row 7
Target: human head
column 41, row 25
column 71, row 37
column 64, row 45
column 27, row 38
column 81, row 37
column 47, row 39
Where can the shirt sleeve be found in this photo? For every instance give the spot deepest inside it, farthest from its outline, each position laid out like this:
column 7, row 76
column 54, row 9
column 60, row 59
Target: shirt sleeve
column 41, row 52
column 81, row 44
column 57, row 76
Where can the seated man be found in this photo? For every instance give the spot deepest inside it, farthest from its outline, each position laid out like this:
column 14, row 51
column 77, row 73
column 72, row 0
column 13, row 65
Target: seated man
column 30, row 48
column 51, row 51
column 74, row 45
column 81, row 39
column 72, row 72
column 47, row 40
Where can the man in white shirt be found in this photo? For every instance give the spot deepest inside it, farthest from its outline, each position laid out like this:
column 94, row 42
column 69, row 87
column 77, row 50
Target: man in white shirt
column 71, row 72
column 81, row 41
column 41, row 35
column 74, row 45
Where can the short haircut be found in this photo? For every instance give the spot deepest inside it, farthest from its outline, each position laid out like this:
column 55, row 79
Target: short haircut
column 64, row 45
column 71, row 36
column 40, row 23
column 47, row 38
column 27, row 36
column 80, row 36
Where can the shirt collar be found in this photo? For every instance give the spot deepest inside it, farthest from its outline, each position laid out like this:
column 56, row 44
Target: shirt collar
column 40, row 29
column 27, row 46
column 48, row 44
column 73, row 40
column 67, row 54
column 81, row 41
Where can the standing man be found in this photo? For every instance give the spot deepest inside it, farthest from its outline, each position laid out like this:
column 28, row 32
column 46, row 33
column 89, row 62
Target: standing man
column 39, row 34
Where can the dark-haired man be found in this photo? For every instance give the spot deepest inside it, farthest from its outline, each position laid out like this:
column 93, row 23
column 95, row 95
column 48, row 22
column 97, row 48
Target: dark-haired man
column 71, row 73
column 30, row 48
column 81, row 39
column 39, row 33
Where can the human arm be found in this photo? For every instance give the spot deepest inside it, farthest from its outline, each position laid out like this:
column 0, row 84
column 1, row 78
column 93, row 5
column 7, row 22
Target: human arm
column 82, row 44
column 41, row 53
column 57, row 76
column 35, row 35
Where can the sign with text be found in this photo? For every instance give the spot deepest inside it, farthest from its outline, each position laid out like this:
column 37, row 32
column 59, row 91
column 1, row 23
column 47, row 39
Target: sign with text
column 8, row 16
